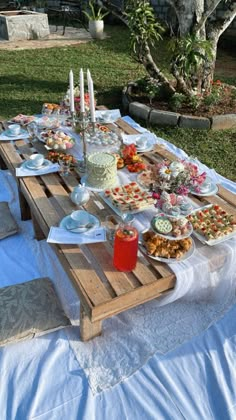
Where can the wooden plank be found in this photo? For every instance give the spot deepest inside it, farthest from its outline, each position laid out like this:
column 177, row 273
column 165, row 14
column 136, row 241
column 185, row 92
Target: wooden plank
column 38, row 201
column 86, row 278
column 133, row 298
column 123, row 125
column 227, row 195
column 88, row 329
column 214, row 199
column 143, row 272
column 164, row 153
column 117, row 279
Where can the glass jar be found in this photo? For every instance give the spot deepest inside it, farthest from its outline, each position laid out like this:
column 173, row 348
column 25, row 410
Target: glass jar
column 125, row 248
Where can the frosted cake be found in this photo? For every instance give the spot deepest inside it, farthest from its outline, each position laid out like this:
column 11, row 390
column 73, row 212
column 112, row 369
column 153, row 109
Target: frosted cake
column 101, row 170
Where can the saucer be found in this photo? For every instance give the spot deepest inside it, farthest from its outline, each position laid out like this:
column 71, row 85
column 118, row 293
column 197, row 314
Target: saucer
column 147, row 148
column 28, row 165
column 213, row 189
column 9, row 133
column 67, row 223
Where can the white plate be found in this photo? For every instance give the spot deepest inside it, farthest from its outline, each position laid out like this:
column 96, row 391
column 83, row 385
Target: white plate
column 211, row 242
column 27, row 165
column 212, row 191
column 120, row 213
column 84, row 180
column 65, row 224
column 169, row 260
column 169, row 236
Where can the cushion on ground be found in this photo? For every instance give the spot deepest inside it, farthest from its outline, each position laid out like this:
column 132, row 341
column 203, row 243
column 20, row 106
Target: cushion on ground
column 8, row 226
column 28, row 310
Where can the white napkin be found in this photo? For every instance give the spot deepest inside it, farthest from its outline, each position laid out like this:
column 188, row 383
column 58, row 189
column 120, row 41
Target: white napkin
column 20, row 136
column 31, row 172
column 132, row 138
column 62, row 236
column 113, row 115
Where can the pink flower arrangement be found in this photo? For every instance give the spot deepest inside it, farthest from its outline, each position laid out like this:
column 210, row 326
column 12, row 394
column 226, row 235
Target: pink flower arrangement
column 178, row 177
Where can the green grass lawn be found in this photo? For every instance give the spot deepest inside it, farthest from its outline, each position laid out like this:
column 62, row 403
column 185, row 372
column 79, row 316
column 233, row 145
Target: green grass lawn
column 28, row 78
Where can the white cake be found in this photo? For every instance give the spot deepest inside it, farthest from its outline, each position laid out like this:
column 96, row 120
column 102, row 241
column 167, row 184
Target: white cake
column 101, row 170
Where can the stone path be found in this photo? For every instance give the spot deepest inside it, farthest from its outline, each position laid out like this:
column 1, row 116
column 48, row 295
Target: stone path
column 73, row 36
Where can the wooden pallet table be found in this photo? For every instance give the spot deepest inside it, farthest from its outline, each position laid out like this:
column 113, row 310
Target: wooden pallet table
column 103, row 290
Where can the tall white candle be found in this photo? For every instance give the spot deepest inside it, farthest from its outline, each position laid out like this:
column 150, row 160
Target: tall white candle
column 81, row 79
column 72, row 99
column 88, row 77
column 92, row 104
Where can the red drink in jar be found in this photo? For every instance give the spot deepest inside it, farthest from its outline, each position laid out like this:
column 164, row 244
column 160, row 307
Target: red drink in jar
column 125, row 248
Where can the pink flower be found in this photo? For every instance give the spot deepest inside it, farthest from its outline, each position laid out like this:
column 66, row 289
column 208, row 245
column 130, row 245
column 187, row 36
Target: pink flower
column 173, row 199
column 182, row 190
column 156, row 196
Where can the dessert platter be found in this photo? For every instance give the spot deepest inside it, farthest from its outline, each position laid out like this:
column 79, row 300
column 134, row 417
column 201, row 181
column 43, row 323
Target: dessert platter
column 54, row 157
column 212, row 225
column 56, row 139
column 175, row 205
column 23, row 119
column 49, row 122
column 101, row 171
column 102, row 136
column 171, row 228
column 166, row 250
column 129, row 198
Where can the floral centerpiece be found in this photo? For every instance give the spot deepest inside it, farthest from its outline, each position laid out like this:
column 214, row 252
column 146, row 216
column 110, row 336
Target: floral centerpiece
column 66, row 100
column 177, row 177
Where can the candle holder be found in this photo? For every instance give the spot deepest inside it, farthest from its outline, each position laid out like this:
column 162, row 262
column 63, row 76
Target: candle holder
column 81, row 126
column 72, row 119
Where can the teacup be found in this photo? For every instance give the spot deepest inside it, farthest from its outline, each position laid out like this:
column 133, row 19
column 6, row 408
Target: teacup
column 36, row 160
column 205, row 187
column 80, row 218
column 14, row 129
column 106, row 116
column 141, row 142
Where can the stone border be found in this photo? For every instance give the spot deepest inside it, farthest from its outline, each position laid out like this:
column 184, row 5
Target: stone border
column 173, row 119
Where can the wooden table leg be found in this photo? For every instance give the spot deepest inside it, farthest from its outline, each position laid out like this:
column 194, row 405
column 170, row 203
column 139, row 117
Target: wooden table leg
column 88, row 329
column 2, row 163
column 24, row 207
column 38, row 233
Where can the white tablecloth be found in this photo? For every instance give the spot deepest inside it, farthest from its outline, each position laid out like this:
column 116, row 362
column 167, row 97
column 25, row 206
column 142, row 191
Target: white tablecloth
column 42, row 379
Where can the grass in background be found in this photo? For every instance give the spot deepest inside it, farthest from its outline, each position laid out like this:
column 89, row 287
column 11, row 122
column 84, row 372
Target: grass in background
column 28, row 78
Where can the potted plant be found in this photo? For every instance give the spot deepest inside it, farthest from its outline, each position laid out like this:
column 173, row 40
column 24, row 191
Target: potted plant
column 95, row 16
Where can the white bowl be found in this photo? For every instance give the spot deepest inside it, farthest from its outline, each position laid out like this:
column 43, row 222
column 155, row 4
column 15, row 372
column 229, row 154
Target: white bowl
column 36, row 160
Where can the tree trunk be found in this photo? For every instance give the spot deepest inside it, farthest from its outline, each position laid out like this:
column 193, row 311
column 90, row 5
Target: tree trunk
column 146, row 59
